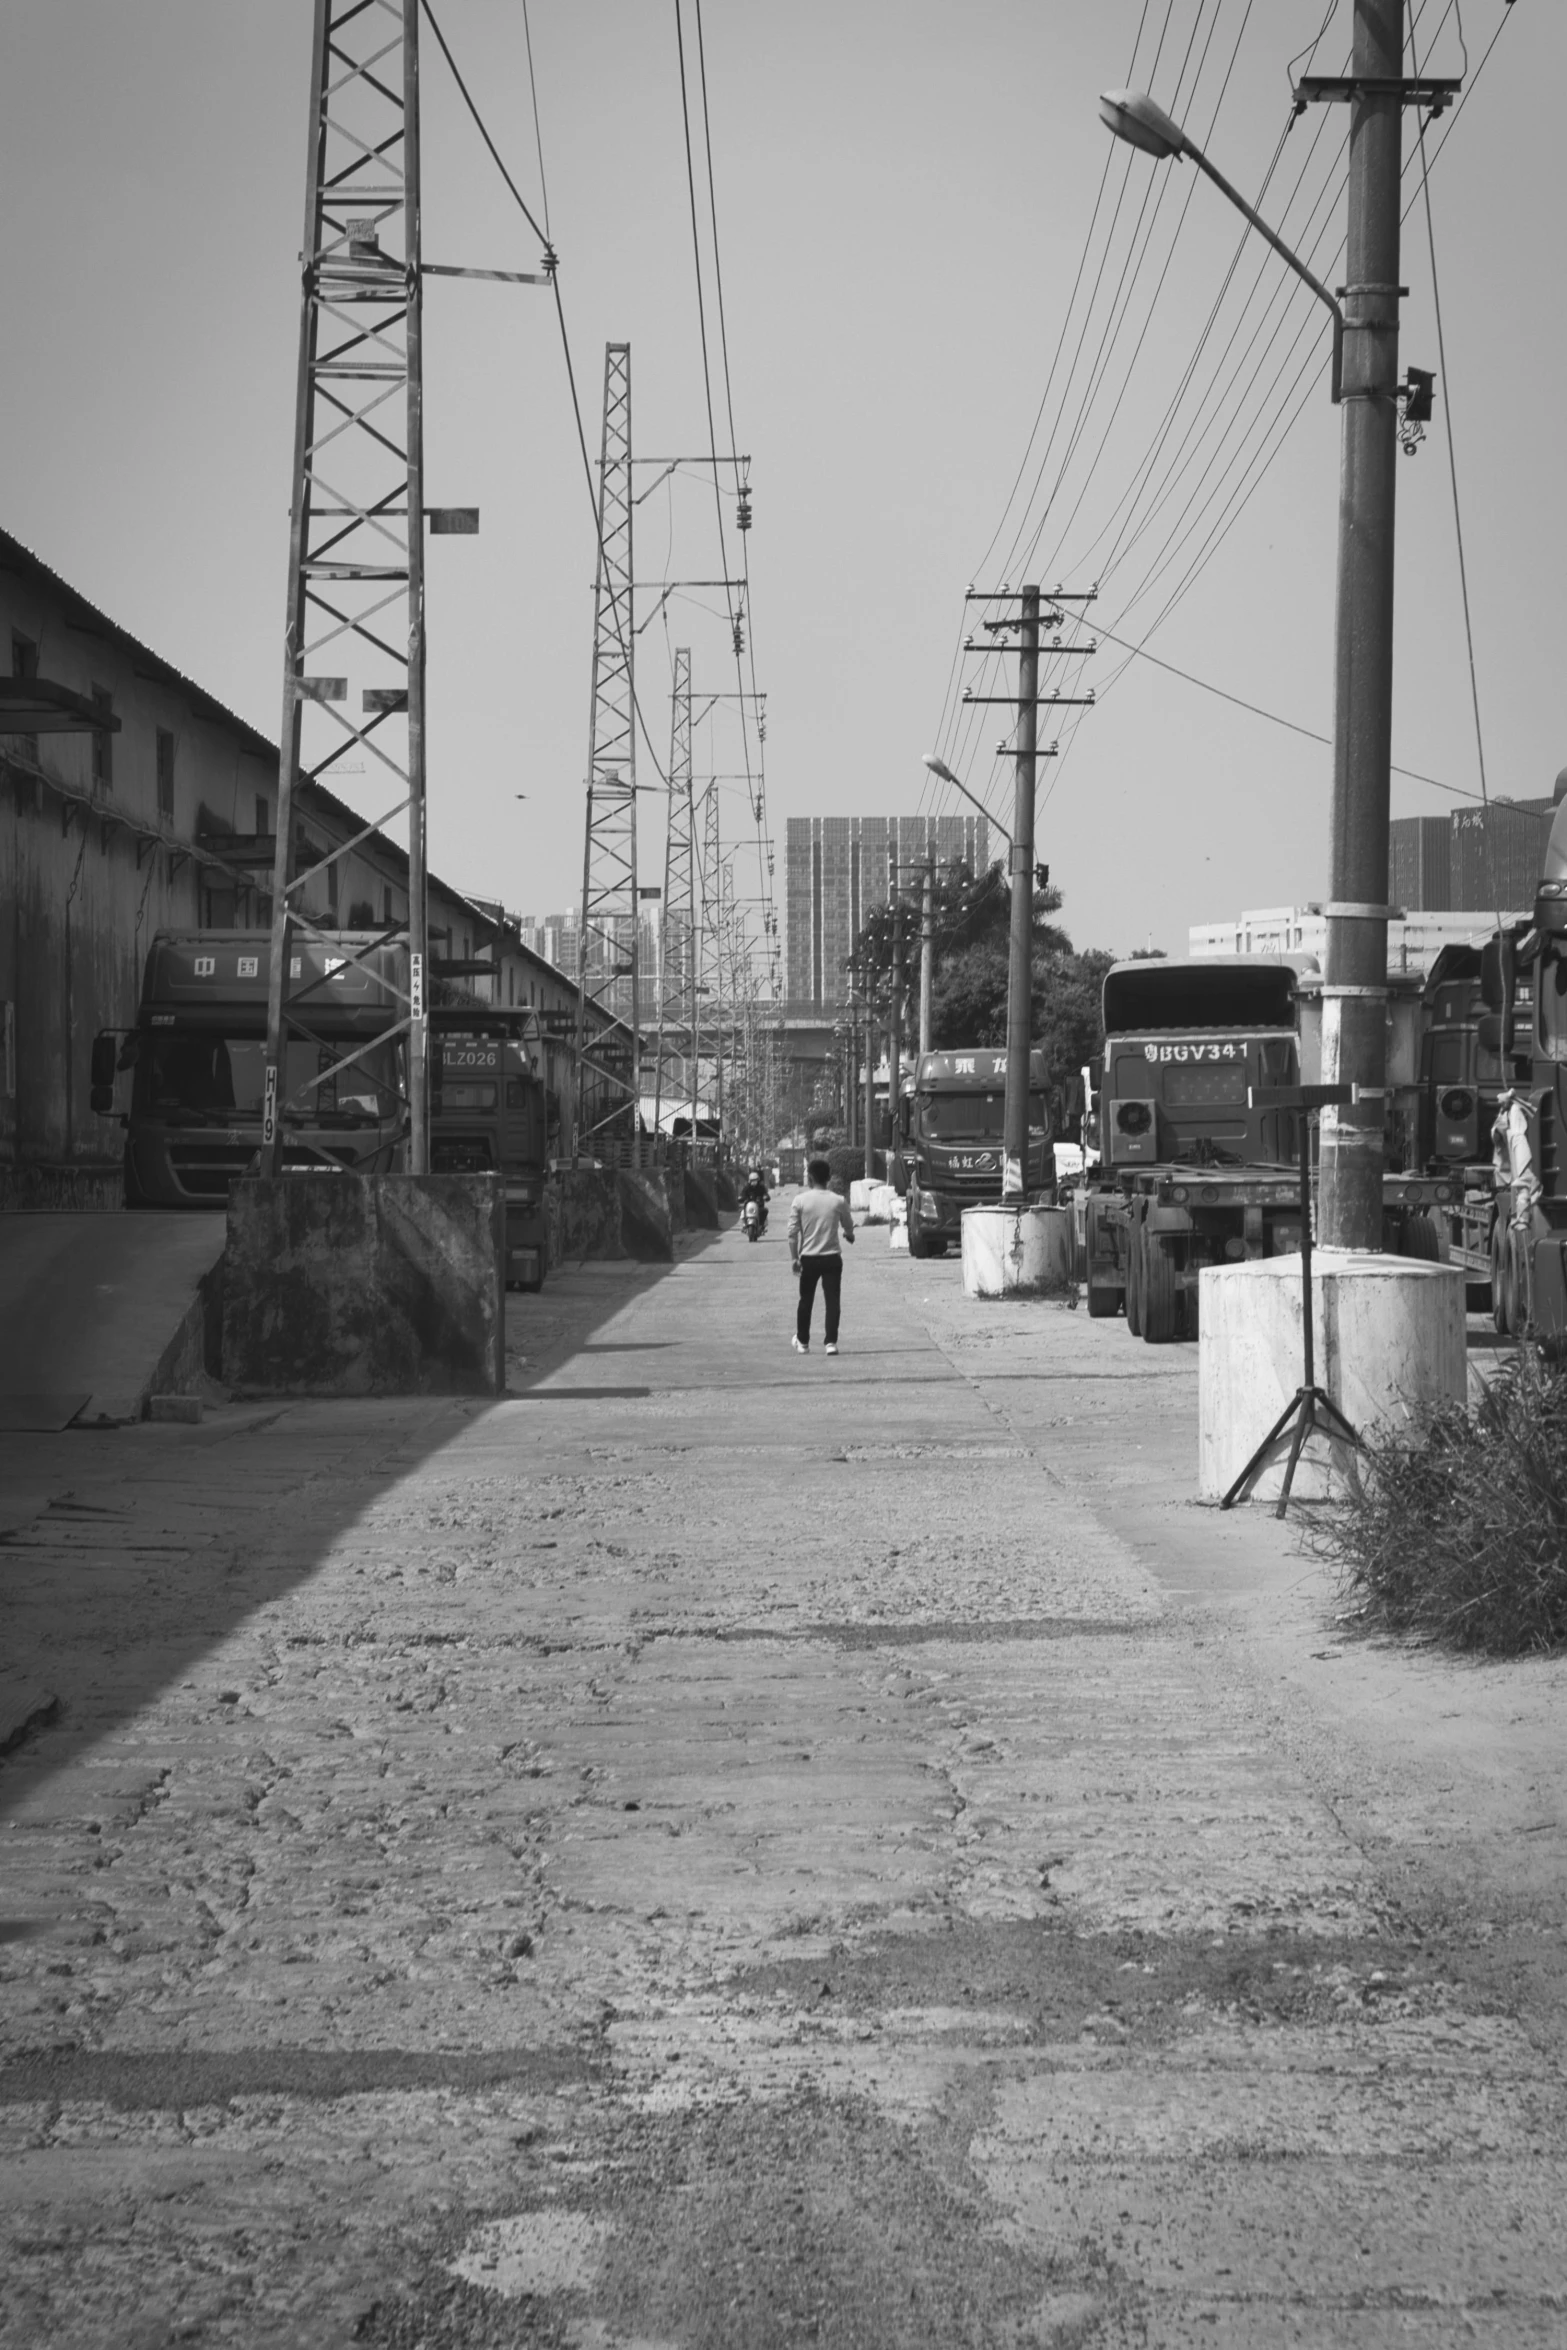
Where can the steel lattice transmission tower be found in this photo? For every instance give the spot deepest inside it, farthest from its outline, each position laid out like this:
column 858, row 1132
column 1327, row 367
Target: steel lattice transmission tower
column 356, row 543
column 609, row 1073
column 674, row 1075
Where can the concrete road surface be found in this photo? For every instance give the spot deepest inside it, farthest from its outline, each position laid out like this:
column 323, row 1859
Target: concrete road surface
column 723, row 1850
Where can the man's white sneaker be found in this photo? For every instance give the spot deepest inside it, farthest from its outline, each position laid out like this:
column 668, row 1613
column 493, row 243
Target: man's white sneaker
column 832, row 1346
column 801, row 1348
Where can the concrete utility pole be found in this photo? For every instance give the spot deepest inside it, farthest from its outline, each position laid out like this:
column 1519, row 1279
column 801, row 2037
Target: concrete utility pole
column 1020, row 973
column 1354, row 992
column 895, row 1015
column 927, row 949
column 868, row 1026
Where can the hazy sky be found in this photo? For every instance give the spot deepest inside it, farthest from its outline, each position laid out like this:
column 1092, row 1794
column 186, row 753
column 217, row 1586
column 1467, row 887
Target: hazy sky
column 905, row 189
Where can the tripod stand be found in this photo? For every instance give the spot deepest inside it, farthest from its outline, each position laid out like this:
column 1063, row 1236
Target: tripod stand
column 1311, row 1407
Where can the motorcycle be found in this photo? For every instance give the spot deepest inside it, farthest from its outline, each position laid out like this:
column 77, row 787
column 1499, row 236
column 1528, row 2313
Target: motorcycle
column 753, row 1215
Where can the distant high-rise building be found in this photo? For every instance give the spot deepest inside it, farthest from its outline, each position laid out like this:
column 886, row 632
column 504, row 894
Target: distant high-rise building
column 838, row 869
column 1420, row 863
column 554, row 936
column 1479, row 860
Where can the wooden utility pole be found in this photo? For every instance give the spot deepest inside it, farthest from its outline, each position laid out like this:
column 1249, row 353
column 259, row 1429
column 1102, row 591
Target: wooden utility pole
column 1354, row 992
column 1020, row 966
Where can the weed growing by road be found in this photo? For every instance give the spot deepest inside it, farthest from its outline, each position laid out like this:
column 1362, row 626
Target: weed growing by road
column 1459, row 1534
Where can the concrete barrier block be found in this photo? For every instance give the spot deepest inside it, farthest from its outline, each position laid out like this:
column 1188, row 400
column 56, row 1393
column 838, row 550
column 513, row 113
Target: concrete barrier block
column 701, row 1200
column 647, row 1223
column 365, row 1285
column 1389, row 1340
column 1011, row 1252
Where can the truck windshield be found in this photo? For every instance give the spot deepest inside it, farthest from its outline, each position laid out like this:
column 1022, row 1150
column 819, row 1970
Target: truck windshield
column 214, row 1080
column 955, row 1115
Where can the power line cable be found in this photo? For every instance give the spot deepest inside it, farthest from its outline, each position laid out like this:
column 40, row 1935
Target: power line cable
column 495, row 153
column 538, row 135
column 759, row 797
column 552, row 270
column 1241, row 498
column 1206, row 685
column 1452, row 473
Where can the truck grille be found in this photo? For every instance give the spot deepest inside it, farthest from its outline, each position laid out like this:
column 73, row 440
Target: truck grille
column 204, row 1170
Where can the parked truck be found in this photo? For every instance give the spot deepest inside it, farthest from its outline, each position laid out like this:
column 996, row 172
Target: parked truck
column 1189, row 1173
column 196, row 1054
column 488, row 1114
column 948, row 1139
column 1523, row 985
column 1461, row 1082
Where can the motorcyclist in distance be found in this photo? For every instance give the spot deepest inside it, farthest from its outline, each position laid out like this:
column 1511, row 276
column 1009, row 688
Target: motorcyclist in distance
column 755, row 1187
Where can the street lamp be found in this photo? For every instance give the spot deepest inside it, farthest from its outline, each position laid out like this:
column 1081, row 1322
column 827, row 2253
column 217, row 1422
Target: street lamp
column 1130, row 115
column 943, row 772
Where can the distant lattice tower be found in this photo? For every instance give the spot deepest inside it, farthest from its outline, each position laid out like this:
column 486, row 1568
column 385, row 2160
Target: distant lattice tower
column 609, row 1073
column 673, row 1077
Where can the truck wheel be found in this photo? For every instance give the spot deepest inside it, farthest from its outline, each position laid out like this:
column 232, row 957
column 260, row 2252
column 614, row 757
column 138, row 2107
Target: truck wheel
column 1158, row 1291
column 1190, row 1314
column 1500, row 1286
column 1103, row 1301
column 1419, row 1237
column 1134, row 1281
column 918, row 1244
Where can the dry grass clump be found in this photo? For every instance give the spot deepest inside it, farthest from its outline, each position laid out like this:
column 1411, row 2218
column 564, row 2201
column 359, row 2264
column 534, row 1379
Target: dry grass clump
column 1460, row 1535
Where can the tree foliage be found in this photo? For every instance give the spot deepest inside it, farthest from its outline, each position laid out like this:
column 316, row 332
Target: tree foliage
column 971, row 940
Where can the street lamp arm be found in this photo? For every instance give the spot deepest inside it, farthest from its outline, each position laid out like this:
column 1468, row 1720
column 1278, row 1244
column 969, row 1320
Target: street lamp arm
column 940, row 768
column 1133, row 116
column 1283, row 252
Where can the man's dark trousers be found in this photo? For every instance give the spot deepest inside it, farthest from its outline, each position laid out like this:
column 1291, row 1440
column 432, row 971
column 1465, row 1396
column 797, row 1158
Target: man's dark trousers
column 829, row 1272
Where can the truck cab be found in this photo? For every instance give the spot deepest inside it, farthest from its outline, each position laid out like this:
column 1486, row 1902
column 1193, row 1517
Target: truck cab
column 949, row 1132
column 1189, row 1174
column 196, row 1058
column 488, row 1114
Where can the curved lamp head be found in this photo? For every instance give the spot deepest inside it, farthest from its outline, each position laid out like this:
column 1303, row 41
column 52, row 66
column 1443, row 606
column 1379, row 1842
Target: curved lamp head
column 1141, row 123
column 940, row 767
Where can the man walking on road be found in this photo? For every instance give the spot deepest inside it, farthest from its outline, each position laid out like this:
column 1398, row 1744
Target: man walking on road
column 816, row 1219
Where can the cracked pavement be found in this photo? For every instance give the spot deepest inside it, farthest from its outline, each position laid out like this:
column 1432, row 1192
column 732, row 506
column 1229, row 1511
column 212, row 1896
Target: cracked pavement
column 720, row 1849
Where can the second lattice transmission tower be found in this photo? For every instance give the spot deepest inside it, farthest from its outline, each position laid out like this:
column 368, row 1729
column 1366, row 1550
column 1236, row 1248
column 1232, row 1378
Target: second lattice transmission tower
column 609, row 1056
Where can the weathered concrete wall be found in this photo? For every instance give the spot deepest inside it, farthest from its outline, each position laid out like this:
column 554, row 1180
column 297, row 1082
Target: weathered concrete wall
column 192, row 1362
column 61, row 1191
column 701, row 1198
column 365, row 1285
column 603, row 1212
